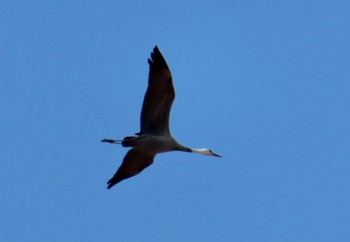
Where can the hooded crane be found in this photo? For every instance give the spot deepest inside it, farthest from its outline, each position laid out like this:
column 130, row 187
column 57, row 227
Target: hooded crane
column 154, row 136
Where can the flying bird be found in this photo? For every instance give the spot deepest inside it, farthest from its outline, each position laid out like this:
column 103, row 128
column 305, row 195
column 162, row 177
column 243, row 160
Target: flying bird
column 154, row 136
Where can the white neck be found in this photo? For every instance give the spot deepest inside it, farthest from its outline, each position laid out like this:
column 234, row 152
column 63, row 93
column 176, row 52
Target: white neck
column 202, row 151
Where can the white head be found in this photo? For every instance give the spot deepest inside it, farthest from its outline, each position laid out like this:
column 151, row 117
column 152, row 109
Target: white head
column 205, row 151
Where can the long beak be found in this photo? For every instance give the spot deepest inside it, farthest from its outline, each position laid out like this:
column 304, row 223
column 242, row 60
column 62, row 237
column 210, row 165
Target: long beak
column 217, row 155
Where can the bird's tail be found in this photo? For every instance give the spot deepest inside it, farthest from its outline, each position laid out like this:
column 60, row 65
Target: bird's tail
column 129, row 141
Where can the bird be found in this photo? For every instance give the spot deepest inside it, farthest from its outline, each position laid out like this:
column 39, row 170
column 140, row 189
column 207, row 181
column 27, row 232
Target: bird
column 154, row 136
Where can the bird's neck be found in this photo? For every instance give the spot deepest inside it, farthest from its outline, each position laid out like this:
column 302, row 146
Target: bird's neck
column 200, row 151
column 182, row 148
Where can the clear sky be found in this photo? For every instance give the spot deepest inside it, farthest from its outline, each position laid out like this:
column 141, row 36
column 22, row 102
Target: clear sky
column 266, row 84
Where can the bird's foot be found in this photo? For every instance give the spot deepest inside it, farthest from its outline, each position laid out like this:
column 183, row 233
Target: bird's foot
column 112, row 141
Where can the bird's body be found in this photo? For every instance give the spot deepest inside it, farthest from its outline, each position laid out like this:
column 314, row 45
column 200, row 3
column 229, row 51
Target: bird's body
column 154, row 136
column 153, row 143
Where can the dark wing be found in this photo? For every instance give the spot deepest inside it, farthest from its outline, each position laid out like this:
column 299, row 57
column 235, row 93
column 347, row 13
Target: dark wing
column 134, row 162
column 159, row 97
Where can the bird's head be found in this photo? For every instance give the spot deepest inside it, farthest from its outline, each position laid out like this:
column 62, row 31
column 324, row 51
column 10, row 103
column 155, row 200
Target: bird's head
column 205, row 151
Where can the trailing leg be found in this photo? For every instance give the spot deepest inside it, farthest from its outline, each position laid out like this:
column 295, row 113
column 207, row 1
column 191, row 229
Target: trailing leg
column 112, row 141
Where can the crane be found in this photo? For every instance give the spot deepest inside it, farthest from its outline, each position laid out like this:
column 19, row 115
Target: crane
column 154, row 136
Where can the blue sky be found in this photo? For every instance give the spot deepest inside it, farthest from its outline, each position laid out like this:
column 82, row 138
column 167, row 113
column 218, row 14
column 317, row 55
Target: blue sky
column 263, row 83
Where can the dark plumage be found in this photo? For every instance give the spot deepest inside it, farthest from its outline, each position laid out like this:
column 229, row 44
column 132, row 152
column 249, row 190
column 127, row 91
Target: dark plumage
column 154, row 136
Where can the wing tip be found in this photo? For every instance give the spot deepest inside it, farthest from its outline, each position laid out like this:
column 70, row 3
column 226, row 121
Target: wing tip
column 157, row 58
column 156, row 50
column 111, row 183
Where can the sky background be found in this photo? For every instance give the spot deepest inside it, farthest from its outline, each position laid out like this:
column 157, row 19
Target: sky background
column 266, row 84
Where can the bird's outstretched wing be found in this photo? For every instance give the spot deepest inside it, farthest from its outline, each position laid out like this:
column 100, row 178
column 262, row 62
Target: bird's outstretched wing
column 134, row 162
column 159, row 97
